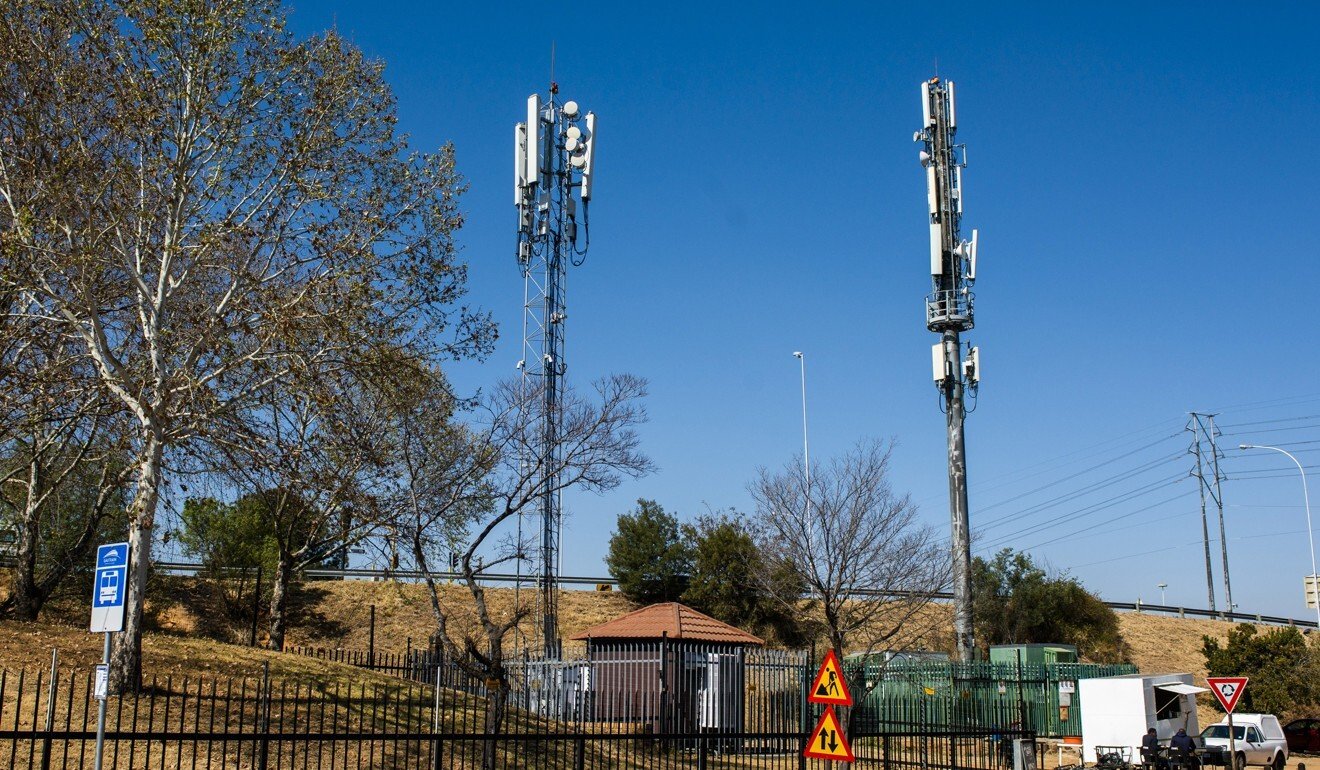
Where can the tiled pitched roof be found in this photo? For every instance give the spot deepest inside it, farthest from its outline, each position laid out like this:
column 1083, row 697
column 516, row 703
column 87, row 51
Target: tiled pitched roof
column 678, row 621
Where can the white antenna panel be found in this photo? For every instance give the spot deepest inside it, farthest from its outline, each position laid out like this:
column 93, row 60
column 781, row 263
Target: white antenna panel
column 533, row 139
column 953, row 111
column 937, row 361
column 936, row 249
column 971, row 258
column 519, row 162
column 958, row 197
column 925, row 104
column 932, row 193
column 588, row 156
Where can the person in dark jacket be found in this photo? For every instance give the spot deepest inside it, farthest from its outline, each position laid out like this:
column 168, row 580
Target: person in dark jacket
column 1183, row 741
column 1181, row 748
column 1150, row 748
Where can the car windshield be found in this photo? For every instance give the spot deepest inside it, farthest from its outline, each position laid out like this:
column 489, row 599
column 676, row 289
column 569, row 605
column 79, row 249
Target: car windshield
column 1221, row 731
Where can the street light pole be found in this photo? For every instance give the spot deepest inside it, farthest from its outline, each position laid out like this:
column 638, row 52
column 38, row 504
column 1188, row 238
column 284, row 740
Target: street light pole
column 1162, row 586
column 1306, row 498
column 806, row 457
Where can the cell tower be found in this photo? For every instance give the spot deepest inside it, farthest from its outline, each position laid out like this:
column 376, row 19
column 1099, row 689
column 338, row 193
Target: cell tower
column 949, row 314
column 553, row 153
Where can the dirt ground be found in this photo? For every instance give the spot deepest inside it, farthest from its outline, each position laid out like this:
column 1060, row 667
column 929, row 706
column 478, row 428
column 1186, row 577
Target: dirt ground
column 335, row 614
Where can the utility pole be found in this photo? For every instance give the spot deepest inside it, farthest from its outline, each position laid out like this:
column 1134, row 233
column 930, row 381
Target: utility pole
column 553, row 154
column 949, row 314
column 1202, row 427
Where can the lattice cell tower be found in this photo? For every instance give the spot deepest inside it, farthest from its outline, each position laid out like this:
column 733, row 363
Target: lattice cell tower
column 949, row 313
column 553, row 159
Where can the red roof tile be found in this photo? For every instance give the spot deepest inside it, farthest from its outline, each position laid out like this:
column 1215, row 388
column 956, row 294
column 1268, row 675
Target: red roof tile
column 676, row 620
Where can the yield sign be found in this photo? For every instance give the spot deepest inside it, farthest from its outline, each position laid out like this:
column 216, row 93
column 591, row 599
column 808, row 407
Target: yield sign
column 1227, row 690
column 829, row 687
column 827, row 740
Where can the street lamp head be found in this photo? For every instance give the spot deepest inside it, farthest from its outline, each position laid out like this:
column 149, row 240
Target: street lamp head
column 1246, row 446
column 797, row 354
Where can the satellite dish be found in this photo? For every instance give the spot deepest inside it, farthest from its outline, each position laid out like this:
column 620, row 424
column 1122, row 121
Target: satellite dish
column 570, row 109
column 578, row 161
column 572, row 144
column 574, row 132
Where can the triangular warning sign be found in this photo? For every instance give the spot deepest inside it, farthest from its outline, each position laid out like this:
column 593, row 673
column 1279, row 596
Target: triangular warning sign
column 829, row 686
column 1227, row 690
column 827, row 740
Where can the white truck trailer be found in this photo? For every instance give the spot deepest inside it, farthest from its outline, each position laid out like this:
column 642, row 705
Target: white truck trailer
column 1117, row 710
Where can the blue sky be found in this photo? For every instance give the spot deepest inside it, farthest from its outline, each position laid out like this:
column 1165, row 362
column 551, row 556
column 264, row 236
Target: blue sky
column 1143, row 178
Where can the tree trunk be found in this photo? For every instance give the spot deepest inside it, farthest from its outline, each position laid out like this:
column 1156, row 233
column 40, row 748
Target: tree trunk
column 25, row 602
column 497, row 700
column 126, row 647
column 279, row 600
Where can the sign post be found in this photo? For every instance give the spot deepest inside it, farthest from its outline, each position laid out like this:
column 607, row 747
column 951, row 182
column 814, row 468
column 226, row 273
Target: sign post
column 827, row 740
column 108, row 588
column 1228, row 691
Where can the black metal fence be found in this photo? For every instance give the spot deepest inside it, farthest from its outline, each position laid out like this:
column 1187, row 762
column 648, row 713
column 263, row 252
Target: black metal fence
column 638, row 707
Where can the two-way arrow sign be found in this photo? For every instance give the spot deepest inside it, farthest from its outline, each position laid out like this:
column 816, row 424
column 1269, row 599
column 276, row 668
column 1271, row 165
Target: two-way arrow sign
column 827, row 741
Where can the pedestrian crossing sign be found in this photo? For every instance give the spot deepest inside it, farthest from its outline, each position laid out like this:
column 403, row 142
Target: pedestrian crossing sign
column 829, row 686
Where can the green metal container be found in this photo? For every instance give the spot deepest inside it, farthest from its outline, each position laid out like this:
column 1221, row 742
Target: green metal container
column 982, row 694
column 1033, row 653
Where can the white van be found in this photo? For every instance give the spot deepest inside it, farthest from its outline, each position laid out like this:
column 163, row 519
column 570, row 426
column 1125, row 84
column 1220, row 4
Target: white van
column 1259, row 739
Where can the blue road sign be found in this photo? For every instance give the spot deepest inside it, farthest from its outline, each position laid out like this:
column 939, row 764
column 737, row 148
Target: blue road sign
column 109, row 587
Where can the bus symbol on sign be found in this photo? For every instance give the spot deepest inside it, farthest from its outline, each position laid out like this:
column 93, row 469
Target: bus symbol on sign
column 108, row 593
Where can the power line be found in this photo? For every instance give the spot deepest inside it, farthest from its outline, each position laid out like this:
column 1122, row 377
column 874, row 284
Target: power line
column 1256, row 406
column 1271, row 422
column 1166, row 549
column 1072, row 476
column 1273, row 430
column 1142, row 523
column 1080, row 492
column 1114, row 519
column 1063, row 460
column 1092, row 508
column 1246, row 473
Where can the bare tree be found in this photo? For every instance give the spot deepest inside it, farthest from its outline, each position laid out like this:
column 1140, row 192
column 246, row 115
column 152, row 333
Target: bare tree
column 192, row 195
column 312, row 463
column 478, row 482
column 864, row 557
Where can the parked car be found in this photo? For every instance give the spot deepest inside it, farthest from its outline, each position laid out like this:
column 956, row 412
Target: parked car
column 1303, row 735
column 1258, row 739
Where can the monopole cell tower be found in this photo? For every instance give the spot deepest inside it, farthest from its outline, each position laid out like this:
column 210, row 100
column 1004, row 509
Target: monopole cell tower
column 553, row 158
column 949, row 313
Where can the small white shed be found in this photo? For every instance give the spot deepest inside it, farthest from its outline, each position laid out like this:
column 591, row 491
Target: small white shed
column 1117, row 710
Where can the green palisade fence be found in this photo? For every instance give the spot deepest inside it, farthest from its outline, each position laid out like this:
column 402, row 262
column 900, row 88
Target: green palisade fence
column 978, row 694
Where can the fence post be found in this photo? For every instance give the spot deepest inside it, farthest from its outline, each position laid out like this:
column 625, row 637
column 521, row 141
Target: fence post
column 256, row 608
column 371, row 640
column 50, row 707
column 703, row 753
column 580, row 753
column 263, row 718
column 435, row 724
column 1022, row 701
column 885, row 748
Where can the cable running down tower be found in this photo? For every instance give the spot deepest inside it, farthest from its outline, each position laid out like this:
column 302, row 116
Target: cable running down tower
column 553, row 154
column 949, row 314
